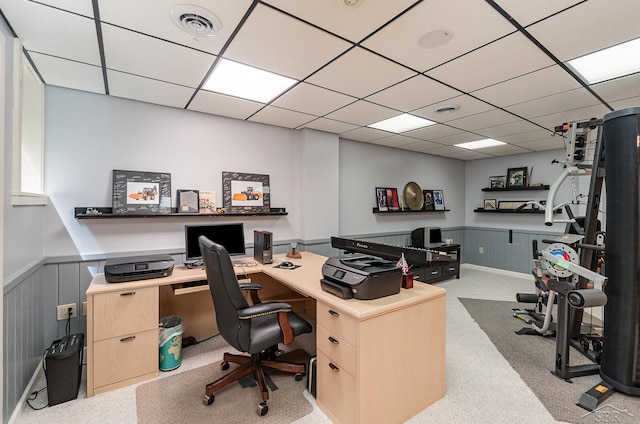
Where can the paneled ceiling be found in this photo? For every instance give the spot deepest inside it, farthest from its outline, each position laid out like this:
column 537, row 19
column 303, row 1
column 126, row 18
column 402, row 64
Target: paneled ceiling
column 504, row 65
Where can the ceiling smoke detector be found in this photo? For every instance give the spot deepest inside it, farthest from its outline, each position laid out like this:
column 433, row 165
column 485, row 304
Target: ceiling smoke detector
column 351, row 3
column 195, row 20
column 446, row 109
column 434, row 39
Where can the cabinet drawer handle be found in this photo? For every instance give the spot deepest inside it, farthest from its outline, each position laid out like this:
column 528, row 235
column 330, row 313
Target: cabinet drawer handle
column 334, row 341
column 334, row 313
column 128, row 293
column 452, row 269
column 333, row 367
column 434, row 272
column 128, row 339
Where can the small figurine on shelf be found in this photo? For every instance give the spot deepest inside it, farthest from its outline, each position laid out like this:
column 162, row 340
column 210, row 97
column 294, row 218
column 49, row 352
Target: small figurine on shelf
column 293, row 253
column 407, row 277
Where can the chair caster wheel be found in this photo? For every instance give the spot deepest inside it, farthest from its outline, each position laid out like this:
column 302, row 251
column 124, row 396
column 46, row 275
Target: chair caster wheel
column 262, row 409
column 224, row 365
column 298, row 376
column 208, row 400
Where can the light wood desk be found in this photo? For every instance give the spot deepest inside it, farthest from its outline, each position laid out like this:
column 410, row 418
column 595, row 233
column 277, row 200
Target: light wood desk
column 380, row 360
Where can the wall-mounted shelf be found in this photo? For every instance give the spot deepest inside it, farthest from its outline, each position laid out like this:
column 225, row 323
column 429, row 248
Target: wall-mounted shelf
column 376, row 210
column 527, row 188
column 107, row 213
column 520, row 211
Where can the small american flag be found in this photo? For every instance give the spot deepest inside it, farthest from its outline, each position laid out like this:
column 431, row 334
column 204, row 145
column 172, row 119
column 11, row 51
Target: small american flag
column 402, row 262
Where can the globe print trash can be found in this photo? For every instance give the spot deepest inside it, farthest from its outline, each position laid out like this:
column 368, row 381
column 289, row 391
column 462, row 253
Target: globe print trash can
column 170, row 342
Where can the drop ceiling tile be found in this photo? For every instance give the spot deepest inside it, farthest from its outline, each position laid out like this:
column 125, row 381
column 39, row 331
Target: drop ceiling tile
column 582, row 114
column 364, row 134
column 433, row 131
column 312, row 99
column 530, row 86
column 84, row 8
column 588, row 27
column 504, row 150
column 329, row 125
column 152, row 17
column 462, row 137
column 626, row 103
column 526, row 13
column 618, row 89
column 413, row 93
column 219, row 104
column 75, row 36
column 457, row 153
column 468, row 105
column 399, row 39
column 267, row 41
column 483, row 120
column 524, row 137
column 360, row 73
column 147, row 90
column 281, row 117
column 398, row 140
column 362, row 113
column 352, row 23
column 501, row 131
column 69, row 74
column 550, row 143
column 154, row 58
column 504, row 59
column 419, row 146
column 553, row 104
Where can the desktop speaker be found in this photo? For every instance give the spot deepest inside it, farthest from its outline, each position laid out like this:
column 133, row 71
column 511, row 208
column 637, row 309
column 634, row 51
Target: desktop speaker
column 263, row 246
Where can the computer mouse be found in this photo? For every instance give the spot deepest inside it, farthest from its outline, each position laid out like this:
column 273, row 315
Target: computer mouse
column 286, row 264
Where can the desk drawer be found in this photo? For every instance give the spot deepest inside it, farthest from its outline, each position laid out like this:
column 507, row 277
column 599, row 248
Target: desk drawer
column 451, row 270
column 337, row 390
column 122, row 358
column 337, row 350
column 337, row 323
column 125, row 312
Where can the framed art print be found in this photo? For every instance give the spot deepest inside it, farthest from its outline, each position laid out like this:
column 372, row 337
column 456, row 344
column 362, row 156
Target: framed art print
column 187, row 201
column 246, row 193
column 429, row 205
column 517, row 177
column 438, row 200
column 381, row 199
column 141, row 193
column 499, row 181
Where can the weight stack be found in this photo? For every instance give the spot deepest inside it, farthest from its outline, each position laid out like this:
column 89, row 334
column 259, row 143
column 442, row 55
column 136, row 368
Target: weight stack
column 620, row 364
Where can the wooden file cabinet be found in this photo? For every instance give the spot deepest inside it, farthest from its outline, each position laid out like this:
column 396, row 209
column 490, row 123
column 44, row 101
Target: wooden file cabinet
column 124, row 343
column 385, row 368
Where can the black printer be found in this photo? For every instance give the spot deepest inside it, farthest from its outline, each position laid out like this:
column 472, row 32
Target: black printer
column 361, row 277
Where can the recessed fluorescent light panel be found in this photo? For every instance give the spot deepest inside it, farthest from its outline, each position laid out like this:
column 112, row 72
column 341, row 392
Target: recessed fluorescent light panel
column 612, row 62
column 401, row 123
column 480, row 144
column 246, row 82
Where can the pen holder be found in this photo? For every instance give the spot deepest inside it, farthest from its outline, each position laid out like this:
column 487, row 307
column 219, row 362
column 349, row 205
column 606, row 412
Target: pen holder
column 407, row 280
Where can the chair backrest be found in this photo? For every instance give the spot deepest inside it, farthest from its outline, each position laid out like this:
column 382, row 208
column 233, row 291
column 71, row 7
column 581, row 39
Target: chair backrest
column 226, row 294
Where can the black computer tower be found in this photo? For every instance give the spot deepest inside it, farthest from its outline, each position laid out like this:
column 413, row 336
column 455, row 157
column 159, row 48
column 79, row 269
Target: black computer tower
column 63, row 368
column 262, row 246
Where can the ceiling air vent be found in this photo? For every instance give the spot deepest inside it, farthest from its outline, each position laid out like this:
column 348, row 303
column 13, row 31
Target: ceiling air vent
column 195, row 20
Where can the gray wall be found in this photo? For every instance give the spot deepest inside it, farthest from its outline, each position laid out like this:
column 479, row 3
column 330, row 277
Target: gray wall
column 326, row 184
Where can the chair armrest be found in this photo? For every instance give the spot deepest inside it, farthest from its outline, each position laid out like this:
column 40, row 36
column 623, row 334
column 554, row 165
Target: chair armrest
column 254, row 287
column 269, row 308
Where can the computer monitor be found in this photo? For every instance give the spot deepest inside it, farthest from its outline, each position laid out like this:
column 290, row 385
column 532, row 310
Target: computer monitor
column 426, row 237
column 231, row 236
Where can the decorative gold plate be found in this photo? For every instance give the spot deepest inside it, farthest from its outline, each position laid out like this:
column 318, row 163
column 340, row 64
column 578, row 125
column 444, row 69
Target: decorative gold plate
column 413, row 196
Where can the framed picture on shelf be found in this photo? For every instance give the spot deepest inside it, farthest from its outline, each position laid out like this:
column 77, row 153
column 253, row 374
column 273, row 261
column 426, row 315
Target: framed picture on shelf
column 517, row 177
column 499, row 181
column 490, row 204
column 207, row 202
column 246, row 193
column 141, row 193
column 187, row 201
column 429, row 205
column 381, row 199
column 392, row 199
column 438, row 200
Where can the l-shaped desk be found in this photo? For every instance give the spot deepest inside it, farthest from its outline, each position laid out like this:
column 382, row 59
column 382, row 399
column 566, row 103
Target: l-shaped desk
column 380, row 360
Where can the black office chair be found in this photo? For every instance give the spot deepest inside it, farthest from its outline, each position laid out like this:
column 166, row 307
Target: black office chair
column 256, row 329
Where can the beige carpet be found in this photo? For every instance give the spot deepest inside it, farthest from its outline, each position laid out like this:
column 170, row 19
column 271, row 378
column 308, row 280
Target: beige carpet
column 178, row 399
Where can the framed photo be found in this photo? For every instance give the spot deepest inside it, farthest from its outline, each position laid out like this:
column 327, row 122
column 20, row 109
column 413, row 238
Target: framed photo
column 429, row 205
column 438, row 200
column 245, row 193
column 515, row 204
column 517, row 177
column 392, row 199
column 141, row 193
column 490, row 204
column 187, row 201
column 207, row 202
column 381, row 199
column 499, row 181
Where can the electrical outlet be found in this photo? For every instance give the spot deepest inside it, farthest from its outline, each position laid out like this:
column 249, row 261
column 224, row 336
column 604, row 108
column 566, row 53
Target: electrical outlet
column 63, row 311
column 481, row 250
